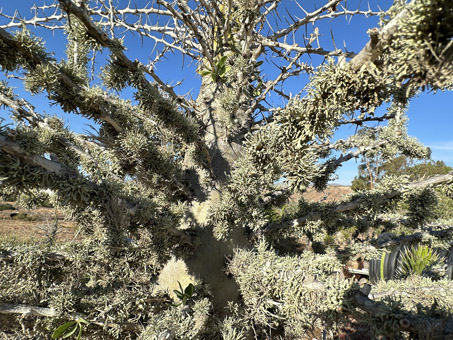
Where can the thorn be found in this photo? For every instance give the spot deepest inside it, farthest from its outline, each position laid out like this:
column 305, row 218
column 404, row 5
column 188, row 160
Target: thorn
column 306, row 13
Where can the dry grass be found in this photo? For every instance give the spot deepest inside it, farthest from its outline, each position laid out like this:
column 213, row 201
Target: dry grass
column 26, row 226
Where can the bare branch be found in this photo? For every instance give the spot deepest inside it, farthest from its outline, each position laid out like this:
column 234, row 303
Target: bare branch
column 304, row 50
column 307, row 19
column 368, row 119
column 378, row 39
column 187, row 19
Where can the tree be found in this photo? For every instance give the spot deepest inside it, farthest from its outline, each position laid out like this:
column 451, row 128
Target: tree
column 376, row 170
column 373, row 169
column 172, row 193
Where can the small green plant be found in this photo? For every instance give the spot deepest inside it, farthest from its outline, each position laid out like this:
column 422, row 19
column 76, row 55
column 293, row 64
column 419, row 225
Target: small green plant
column 415, row 260
column 219, row 70
column 184, row 295
column 6, row 206
column 23, row 216
column 69, row 329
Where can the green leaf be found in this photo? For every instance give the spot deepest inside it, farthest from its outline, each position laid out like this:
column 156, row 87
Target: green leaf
column 80, row 333
column 224, row 70
column 62, row 329
column 204, row 72
column 222, row 62
column 82, row 320
column 67, row 335
column 259, row 63
column 178, row 294
column 189, row 290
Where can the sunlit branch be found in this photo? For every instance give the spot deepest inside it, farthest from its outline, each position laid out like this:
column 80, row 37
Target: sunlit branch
column 99, row 112
column 304, row 50
column 143, row 30
column 368, row 119
column 354, row 204
column 305, row 20
column 378, row 39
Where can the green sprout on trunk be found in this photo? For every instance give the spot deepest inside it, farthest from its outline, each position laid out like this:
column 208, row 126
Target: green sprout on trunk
column 184, row 295
column 219, row 70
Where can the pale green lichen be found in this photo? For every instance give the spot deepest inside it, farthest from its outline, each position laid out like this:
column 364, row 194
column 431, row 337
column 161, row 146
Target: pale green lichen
column 294, row 292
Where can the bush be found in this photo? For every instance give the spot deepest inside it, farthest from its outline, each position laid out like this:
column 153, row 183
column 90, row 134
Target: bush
column 6, row 206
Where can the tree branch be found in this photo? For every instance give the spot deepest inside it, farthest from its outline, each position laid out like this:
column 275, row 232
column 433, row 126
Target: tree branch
column 352, row 205
column 368, row 119
column 307, row 19
column 134, row 67
column 98, row 112
column 12, row 148
column 52, row 167
column 378, row 39
column 304, row 50
column 9, row 308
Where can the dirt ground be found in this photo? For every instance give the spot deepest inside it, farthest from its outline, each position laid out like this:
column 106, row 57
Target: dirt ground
column 23, row 225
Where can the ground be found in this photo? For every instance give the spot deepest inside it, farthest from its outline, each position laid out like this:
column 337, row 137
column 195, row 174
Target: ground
column 24, row 225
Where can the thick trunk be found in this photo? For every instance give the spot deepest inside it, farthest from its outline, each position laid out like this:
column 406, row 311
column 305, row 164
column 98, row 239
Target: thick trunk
column 225, row 146
column 224, row 130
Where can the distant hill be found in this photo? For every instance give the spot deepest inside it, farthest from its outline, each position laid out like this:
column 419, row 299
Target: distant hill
column 332, row 193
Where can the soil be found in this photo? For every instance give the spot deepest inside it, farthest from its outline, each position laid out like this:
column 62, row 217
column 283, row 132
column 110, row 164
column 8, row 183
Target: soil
column 24, row 225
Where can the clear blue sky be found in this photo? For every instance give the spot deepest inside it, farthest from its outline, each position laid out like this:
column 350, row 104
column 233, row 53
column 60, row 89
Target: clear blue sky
column 430, row 114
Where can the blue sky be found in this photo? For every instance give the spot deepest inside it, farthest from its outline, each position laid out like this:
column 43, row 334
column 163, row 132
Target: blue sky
column 430, row 114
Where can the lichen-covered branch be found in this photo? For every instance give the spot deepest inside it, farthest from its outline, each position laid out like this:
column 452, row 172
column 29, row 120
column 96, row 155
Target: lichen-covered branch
column 70, row 87
column 8, row 308
column 350, row 206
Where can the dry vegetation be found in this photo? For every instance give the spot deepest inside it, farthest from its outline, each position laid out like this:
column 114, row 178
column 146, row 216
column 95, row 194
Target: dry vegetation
column 28, row 225
column 331, row 194
column 25, row 225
